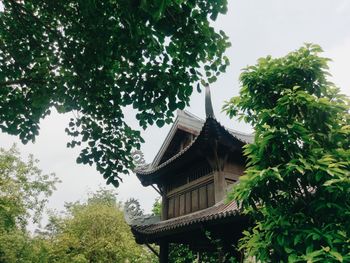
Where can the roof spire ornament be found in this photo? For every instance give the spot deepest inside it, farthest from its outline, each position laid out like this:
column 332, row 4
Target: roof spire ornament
column 209, row 112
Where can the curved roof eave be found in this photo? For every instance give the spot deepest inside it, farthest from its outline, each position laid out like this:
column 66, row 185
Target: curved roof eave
column 147, row 171
column 217, row 212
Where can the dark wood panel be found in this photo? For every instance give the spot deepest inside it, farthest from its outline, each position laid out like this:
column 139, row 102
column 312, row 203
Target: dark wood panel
column 177, row 206
column 188, row 202
column 192, row 200
column 182, row 205
column 211, row 194
column 191, row 185
column 194, row 194
column 171, row 207
column 203, row 197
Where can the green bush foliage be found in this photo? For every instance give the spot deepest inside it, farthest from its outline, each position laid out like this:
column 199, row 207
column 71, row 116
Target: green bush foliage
column 93, row 231
column 297, row 185
column 24, row 191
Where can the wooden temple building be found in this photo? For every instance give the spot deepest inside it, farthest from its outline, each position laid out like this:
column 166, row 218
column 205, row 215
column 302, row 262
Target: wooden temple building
column 196, row 165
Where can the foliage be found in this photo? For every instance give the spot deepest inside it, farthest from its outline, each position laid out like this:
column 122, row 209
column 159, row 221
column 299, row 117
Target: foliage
column 297, row 185
column 94, row 58
column 24, row 190
column 17, row 246
column 23, row 194
column 221, row 254
column 157, row 207
column 93, row 231
column 180, row 253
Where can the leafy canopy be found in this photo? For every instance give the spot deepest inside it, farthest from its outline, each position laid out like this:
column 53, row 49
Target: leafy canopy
column 297, row 185
column 93, row 231
column 94, row 58
column 24, row 191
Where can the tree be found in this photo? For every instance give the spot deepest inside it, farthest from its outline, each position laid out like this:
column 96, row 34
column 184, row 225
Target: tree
column 297, row 184
column 24, row 190
column 23, row 194
column 91, row 231
column 94, row 231
column 94, row 58
column 157, row 207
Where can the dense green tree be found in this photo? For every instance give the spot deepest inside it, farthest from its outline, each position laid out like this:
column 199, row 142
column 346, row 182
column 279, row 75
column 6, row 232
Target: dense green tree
column 297, row 184
column 93, row 231
column 23, row 194
column 94, row 58
column 24, row 190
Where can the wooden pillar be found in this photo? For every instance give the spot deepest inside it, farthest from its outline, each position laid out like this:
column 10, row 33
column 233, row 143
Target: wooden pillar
column 164, row 215
column 163, row 252
column 219, row 186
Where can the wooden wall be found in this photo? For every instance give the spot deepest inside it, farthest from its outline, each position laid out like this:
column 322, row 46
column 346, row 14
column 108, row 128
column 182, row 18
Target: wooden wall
column 234, row 168
column 191, row 198
column 198, row 188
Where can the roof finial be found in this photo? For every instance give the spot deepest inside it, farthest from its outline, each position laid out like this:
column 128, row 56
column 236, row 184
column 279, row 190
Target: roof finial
column 208, row 106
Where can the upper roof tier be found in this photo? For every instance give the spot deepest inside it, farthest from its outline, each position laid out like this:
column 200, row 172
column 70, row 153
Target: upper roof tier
column 203, row 131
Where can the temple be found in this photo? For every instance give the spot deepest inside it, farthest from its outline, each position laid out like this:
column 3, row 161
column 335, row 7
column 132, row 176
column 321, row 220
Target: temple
column 196, row 165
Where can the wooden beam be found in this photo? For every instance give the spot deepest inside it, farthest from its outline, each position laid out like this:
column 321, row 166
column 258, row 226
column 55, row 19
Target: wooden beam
column 158, row 190
column 196, row 183
column 152, row 249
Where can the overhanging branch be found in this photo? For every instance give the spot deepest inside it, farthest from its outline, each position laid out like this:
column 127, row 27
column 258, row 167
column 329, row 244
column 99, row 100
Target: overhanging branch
column 22, row 81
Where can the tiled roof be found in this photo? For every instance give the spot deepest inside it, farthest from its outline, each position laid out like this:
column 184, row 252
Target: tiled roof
column 210, row 122
column 243, row 137
column 219, row 211
column 151, row 169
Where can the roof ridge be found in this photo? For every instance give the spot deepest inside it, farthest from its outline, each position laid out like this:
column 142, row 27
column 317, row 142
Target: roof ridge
column 191, row 115
column 240, row 132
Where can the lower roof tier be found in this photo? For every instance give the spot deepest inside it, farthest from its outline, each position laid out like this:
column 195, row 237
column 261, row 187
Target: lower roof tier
column 219, row 214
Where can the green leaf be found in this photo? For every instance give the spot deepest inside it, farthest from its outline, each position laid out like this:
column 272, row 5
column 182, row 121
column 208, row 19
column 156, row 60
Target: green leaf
column 336, row 255
column 160, row 123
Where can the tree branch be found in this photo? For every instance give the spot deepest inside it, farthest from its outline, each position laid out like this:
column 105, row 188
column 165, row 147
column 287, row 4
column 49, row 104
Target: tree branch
column 22, row 81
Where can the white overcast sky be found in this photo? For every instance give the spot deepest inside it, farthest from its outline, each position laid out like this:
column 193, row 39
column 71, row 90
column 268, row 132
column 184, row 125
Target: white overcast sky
column 256, row 28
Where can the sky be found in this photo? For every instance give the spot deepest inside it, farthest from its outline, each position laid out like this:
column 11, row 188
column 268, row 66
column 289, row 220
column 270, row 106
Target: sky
column 256, row 29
